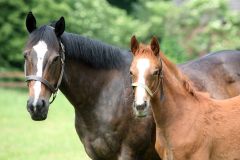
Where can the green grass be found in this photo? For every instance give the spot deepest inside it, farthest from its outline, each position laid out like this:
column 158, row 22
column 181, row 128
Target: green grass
column 24, row 139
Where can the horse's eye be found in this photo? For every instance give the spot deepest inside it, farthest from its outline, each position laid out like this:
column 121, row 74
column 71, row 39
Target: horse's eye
column 55, row 59
column 25, row 55
column 131, row 73
column 156, row 72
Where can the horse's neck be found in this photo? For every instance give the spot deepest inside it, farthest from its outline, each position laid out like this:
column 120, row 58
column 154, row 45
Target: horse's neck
column 176, row 113
column 90, row 82
column 178, row 98
column 94, row 90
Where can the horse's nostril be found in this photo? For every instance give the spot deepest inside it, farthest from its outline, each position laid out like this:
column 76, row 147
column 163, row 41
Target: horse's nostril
column 141, row 107
column 43, row 103
column 31, row 108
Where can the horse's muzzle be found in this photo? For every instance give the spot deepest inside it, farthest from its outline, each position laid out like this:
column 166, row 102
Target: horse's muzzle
column 39, row 109
column 141, row 110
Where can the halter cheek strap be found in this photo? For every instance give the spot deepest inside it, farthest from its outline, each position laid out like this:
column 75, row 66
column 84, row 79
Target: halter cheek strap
column 46, row 82
column 137, row 84
column 161, row 86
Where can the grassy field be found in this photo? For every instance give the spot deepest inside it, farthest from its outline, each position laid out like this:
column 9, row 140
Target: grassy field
column 24, row 139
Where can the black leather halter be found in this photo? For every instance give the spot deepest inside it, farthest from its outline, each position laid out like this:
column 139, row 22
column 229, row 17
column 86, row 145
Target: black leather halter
column 51, row 87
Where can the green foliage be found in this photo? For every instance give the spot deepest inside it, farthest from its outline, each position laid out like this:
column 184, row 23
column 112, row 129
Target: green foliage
column 98, row 19
column 158, row 17
column 124, row 4
column 202, row 27
column 12, row 31
column 46, row 11
column 194, row 28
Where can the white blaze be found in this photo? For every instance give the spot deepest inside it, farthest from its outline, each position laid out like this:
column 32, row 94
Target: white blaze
column 41, row 49
column 142, row 65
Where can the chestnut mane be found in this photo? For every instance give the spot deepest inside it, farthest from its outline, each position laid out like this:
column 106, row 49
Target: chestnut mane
column 186, row 83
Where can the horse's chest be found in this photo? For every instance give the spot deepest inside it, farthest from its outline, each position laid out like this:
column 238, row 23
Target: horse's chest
column 101, row 145
column 99, row 134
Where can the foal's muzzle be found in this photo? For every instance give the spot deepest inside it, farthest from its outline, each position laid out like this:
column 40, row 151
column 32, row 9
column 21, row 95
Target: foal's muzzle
column 141, row 110
column 38, row 110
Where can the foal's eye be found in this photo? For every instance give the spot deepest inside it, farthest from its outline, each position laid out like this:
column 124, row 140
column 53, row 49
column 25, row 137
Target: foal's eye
column 55, row 59
column 156, row 72
column 131, row 73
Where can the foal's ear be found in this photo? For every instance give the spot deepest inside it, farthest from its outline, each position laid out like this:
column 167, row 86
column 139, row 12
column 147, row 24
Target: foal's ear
column 155, row 46
column 60, row 27
column 30, row 22
column 134, row 44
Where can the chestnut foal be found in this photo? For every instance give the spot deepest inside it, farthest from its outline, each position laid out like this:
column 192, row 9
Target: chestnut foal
column 190, row 125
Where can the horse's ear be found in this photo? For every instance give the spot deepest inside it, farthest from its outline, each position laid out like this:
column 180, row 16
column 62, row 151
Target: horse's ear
column 30, row 22
column 134, row 44
column 155, row 46
column 60, row 27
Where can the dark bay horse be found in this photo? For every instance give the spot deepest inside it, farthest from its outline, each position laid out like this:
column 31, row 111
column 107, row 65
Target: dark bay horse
column 94, row 78
column 189, row 124
column 217, row 73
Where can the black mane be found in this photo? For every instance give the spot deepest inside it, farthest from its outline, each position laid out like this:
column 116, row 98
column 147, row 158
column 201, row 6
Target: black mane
column 93, row 52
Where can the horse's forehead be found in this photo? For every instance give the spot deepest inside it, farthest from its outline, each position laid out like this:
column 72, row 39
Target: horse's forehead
column 143, row 63
column 40, row 48
column 148, row 60
column 142, row 66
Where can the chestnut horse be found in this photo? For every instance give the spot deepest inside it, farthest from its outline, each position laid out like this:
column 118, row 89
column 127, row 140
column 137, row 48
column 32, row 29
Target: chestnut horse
column 190, row 125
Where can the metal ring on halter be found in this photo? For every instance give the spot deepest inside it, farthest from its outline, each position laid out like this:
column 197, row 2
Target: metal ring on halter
column 53, row 97
column 46, row 82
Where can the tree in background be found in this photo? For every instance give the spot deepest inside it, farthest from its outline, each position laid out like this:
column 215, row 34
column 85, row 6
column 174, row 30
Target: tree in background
column 193, row 28
column 96, row 19
column 12, row 31
column 206, row 26
column 123, row 4
column 158, row 14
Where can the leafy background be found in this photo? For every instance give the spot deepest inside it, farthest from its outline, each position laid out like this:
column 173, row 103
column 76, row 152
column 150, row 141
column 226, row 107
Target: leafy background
column 186, row 30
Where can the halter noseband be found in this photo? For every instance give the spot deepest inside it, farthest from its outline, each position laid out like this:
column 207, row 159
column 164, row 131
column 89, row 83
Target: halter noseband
column 160, row 82
column 45, row 82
